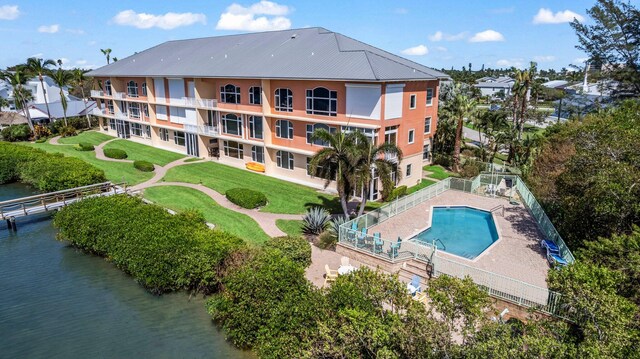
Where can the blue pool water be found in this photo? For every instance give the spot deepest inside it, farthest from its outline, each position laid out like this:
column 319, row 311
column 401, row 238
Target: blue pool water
column 462, row 231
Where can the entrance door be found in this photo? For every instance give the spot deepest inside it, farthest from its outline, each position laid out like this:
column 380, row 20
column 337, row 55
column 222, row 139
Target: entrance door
column 123, row 129
column 191, row 142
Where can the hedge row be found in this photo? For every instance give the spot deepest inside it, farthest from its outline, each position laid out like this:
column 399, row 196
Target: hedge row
column 163, row 252
column 143, row 166
column 47, row 172
column 246, row 198
column 115, row 153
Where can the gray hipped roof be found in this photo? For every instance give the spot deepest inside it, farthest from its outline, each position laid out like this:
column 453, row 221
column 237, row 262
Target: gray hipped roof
column 310, row 53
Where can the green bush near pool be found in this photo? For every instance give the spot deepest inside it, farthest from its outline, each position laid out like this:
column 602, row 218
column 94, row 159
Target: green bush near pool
column 115, row 153
column 246, row 198
column 143, row 166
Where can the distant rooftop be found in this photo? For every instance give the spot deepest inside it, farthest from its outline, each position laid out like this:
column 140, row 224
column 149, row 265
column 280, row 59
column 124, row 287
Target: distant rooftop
column 309, row 53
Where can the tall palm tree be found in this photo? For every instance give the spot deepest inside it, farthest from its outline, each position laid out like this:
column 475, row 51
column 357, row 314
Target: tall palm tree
column 335, row 162
column 62, row 78
column 17, row 79
column 460, row 108
column 107, row 53
column 522, row 91
column 39, row 67
column 381, row 161
column 79, row 79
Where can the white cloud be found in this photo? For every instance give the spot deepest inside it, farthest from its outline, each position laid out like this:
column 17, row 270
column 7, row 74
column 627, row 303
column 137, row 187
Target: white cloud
column 440, row 36
column 238, row 17
column 487, row 36
column 546, row 16
column 544, row 58
column 38, row 55
column 75, row 31
column 168, row 21
column 419, row 50
column 9, row 12
column 50, row 29
column 442, row 49
column 510, row 62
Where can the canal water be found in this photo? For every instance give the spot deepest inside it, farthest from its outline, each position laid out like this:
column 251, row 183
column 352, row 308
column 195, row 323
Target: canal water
column 57, row 302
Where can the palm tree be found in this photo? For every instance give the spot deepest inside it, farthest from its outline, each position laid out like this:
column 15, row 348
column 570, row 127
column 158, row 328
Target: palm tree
column 39, row 67
column 21, row 95
column 522, row 94
column 381, row 160
column 460, row 108
column 62, row 78
column 3, row 103
column 107, row 53
column 79, row 79
column 335, row 162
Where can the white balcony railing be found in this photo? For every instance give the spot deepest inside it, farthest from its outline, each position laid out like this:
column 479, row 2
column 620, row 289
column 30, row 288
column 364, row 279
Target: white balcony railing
column 97, row 93
column 99, row 112
column 207, row 103
column 194, row 102
column 202, row 130
column 119, row 95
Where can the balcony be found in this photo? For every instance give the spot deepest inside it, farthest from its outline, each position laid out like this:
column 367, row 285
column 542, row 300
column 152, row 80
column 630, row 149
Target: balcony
column 97, row 93
column 119, row 95
column 99, row 112
column 202, row 130
column 197, row 102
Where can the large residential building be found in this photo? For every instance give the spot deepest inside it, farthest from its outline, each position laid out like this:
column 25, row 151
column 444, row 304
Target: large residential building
column 495, row 86
column 254, row 100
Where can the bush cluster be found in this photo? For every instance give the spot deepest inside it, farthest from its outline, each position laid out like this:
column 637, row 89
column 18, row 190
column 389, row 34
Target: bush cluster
column 68, row 131
column 246, row 198
column 83, row 146
column 397, row 193
column 163, row 252
column 47, row 172
column 16, row 133
column 115, row 153
column 78, row 123
column 297, row 249
column 143, row 166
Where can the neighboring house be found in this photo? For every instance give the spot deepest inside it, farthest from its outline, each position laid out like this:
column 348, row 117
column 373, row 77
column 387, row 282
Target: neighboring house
column 493, row 86
column 75, row 107
column 259, row 97
column 556, row 84
column 49, row 91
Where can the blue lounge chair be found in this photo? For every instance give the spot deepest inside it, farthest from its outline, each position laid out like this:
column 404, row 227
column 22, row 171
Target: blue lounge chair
column 415, row 286
column 377, row 243
column 555, row 259
column 362, row 237
column 395, row 247
column 549, row 246
column 351, row 235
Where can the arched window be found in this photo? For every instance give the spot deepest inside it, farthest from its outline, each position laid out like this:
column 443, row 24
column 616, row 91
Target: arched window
column 284, row 160
column 312, row 128
column 230, row 93
column 284, row 129
column 107, row 87
column 321, row 101
column 284, row 100
column 144, row 89
column 132, row 89
column 232, row 124
column 255, row 95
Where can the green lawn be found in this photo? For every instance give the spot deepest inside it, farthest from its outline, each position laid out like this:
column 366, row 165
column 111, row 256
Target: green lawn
column 139, row 152
column 92, row 137
column 182, row 198
column 424, row 183
column 283, row 196
column 291, row 227
column 114, row 171
column 437, row 172
column 193, row 159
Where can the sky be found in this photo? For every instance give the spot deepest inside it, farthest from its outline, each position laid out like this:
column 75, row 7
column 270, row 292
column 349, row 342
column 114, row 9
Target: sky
column 439, row 34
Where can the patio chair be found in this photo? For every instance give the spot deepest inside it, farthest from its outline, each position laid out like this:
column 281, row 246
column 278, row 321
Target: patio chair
column 414, row 287
column 555, row 260
column 351, row 235
column 344, row 261
column 549, row 246
column 420, row 297
column 377, row 243
column 362, row 237
column 330, row 275
column 395, row 247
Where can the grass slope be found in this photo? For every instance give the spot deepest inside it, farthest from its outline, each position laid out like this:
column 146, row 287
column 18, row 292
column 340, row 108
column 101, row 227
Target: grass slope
column 182, row 198
column 139, row 152
column 437, row 172
column 291, row 227
column 424, row 183
column 91, row 137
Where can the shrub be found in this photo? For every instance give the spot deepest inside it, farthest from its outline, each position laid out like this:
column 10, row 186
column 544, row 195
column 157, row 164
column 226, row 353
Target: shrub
column 78, row 123
column 41, row 140
column 443, row 160
column 45, row 171
column 315, row 221
column 16, row 133
column 246, row 198
column 143, row 166
column 327, row 240
column 41, row 131
column 163, row 252
column 471, row 168
column 397, row 193
column 115, row 153
column 68, row 131
column 297, row 249
column 83, row 146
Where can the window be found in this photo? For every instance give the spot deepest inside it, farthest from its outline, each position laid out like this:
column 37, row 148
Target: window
column 408, row 170
column 112, row 124
column 255, row 95
column 110, row 106
column 144, row 89
column 284, row 160
column 211, row 119
column 284, row 100
column 411, row 135
column 136, row 129
column 321, row 101
column 164, row 134
column 426, row 152
column 255, row 127
column 257, row 154
column 391, row 135
column 284, row 129
column 333, row 177
column 134, row 109
column 233, row 149
column 107, row 87
column 369, row 132
column 161, row 112
column 132, row 89
column 178, row 138
column 412, row 101
column 230, row 94
column 429, row 97
column 145, row 108
column 232, row 124
column 147, row 130
column 427, row 125
column 312, row 128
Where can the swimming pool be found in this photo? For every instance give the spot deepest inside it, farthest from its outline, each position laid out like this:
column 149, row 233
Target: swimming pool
column 459, row 230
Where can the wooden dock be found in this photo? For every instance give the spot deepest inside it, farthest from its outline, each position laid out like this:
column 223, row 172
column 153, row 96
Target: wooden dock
column 42, row 203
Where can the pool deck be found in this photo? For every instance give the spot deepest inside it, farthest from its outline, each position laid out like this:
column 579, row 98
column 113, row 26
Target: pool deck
column 517, row 252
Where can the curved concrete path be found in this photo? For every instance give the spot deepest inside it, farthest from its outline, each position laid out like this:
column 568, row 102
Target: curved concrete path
column 267, row 221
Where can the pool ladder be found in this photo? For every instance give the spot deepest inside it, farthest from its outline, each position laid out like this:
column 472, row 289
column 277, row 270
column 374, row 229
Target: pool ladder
column 496, row 208
column 444, row 248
